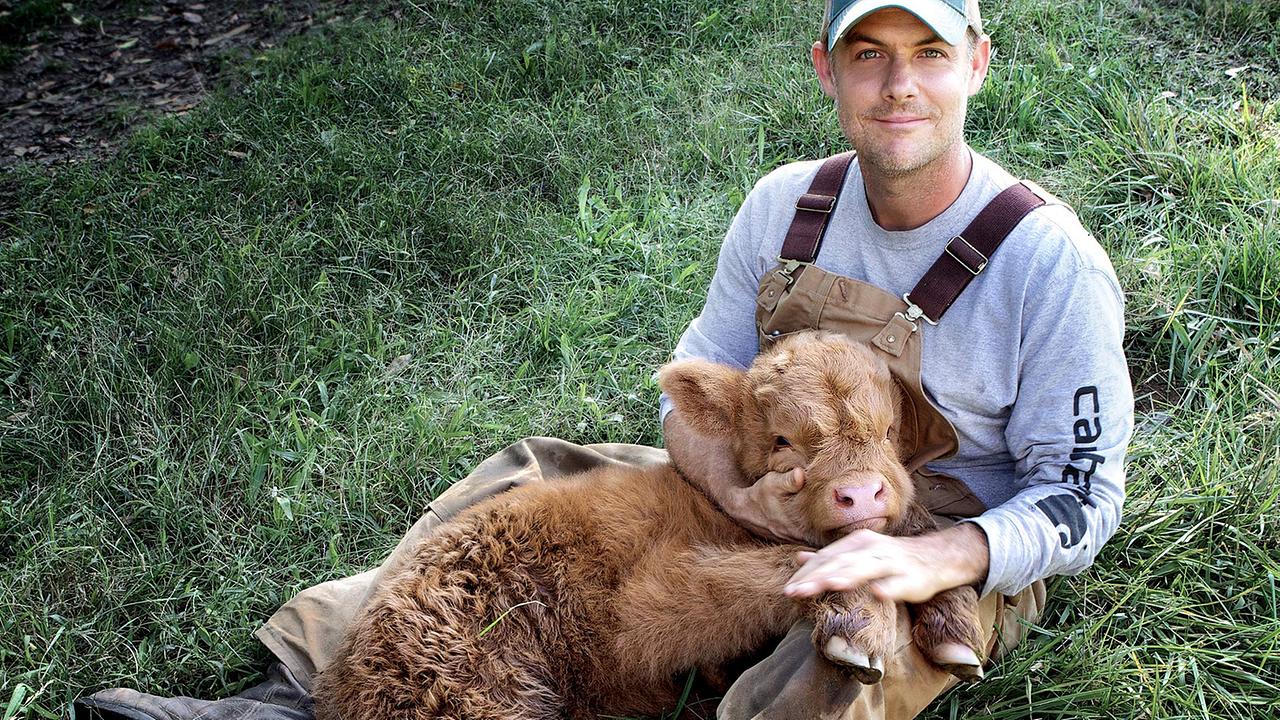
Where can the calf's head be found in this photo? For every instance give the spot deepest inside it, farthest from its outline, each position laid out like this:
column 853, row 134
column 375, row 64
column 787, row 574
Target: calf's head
column 816, row 401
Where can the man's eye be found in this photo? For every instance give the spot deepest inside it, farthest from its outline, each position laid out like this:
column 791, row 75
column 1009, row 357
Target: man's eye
column 866, row 54
column 781, row 442
column 934, row 53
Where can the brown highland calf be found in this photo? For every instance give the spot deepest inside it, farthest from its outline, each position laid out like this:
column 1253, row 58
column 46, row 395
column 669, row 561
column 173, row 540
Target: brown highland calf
column 592, row 595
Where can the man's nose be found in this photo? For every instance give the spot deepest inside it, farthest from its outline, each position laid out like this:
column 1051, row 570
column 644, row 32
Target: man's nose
column 900, row 84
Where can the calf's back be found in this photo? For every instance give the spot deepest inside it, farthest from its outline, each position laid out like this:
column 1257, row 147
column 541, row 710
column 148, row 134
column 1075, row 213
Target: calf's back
column 514, row 604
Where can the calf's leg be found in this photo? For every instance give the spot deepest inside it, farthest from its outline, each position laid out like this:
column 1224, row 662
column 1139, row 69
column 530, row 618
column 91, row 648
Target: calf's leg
column 697, row 607
column 857, row 630
column 946, row 630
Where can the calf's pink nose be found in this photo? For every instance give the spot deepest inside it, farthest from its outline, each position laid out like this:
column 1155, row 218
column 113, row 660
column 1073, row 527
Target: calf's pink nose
column 864, row 500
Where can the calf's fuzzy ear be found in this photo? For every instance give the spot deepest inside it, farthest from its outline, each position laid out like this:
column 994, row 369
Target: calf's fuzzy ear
column 707, row 394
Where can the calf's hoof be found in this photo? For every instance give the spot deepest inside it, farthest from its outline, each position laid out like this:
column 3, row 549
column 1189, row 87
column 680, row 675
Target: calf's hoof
column 959, row 660
column 867, row 670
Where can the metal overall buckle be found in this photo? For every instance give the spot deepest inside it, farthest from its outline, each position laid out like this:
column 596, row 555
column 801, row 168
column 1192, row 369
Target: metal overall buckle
column 789, row 268
column 914, row 312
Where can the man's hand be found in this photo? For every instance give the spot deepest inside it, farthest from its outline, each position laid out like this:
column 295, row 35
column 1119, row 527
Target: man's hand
column 911, row 569
column 708, row 462
column 762, row 506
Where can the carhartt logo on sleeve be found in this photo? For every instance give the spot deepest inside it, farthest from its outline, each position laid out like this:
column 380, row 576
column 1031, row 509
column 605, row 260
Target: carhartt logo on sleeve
column 1066, row 512
column 1067, row 516
column 1085, row 458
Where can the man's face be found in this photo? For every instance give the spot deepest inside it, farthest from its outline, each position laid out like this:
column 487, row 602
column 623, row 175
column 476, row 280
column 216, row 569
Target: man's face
column 901, row 92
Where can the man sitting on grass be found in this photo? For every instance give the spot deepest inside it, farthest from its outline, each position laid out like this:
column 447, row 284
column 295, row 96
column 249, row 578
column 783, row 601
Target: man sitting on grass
column 1027, row 366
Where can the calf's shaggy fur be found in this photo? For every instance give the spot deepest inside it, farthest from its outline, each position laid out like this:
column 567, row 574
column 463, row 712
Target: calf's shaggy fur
column 593, row 594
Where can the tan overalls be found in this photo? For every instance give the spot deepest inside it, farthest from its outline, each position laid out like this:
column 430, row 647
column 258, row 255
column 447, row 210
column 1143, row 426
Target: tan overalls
column 793, row 682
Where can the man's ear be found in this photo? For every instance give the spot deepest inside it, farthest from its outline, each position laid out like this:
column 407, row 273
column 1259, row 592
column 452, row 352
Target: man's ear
column 822, row 66
column 979, row 63
column 706, row 394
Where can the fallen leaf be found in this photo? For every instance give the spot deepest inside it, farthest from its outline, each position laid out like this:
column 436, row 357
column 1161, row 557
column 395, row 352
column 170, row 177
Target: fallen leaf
column 227, row 35
column 192, row 18
column 237, row 154
column 397, row 366
column 151, row 18
column 1237, row 70
column 127, row 44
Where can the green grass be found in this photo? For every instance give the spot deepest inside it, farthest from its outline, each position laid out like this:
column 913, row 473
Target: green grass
column 238, row 358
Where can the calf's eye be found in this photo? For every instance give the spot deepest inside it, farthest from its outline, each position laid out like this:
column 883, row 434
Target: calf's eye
column 781, row 442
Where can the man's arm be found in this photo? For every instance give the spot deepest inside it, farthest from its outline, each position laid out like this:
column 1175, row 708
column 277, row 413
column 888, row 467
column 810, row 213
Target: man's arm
column 1068, row 433
column 911, row 569
column 708, row 463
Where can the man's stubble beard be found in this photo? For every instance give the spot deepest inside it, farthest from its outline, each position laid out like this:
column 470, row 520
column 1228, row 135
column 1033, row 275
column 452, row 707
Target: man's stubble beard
column 894, row 165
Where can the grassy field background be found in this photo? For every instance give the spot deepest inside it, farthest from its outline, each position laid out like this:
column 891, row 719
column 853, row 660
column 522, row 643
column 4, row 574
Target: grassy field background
column 238, row 358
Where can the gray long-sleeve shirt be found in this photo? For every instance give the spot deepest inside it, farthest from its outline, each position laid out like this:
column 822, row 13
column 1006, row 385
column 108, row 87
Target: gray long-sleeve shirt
column 1027, row 364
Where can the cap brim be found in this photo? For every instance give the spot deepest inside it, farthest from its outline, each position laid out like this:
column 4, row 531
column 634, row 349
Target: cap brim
column 940, row 17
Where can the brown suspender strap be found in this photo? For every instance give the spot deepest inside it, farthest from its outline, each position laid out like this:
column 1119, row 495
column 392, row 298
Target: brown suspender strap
column 969, row 252
column 962, row 260
column 814, row 208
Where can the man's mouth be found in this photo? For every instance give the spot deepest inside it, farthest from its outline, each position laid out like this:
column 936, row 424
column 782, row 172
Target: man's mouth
column 899, row 122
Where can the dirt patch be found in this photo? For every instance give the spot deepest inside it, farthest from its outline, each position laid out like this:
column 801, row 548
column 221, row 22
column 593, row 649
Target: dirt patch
column 77, row 87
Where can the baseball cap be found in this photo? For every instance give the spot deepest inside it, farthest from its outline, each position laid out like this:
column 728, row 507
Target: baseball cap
column 949, row 18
